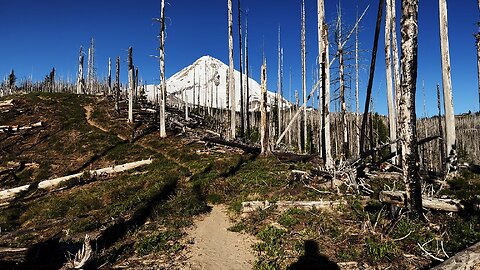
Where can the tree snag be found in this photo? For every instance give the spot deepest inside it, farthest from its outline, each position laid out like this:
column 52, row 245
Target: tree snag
column 407, row 118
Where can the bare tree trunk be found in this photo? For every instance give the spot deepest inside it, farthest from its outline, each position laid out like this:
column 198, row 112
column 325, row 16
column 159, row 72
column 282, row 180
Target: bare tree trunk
column 117, row 84
column 130, row 86
column 343, row 106
column 324, row 61
column 407, row 117
column 290, row 109
column 477, row 39
column 279, row 86
column 231, row 83
column 264, row 137
column 370, row 79
column 447, row 87
column 91, row 67
column 304, row 79
column 440, row 132
column 163, row 83
column 477, row 43
column 319, row 78
column 357, row 107
column 80, row 81
column 299, row 124
column 242, row 108
column 135, row 83
column 247, row 96
column 396, row 64
column 388, row 70
column 109, row 78
column 326, row 108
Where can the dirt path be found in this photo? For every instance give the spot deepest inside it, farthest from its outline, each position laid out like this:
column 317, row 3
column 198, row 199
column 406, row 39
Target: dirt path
column 91, row 122
column 217, row 248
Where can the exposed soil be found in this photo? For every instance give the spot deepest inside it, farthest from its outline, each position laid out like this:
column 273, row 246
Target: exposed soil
column 215, row 247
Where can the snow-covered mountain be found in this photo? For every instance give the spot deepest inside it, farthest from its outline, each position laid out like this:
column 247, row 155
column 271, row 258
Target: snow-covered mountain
column 209, row 75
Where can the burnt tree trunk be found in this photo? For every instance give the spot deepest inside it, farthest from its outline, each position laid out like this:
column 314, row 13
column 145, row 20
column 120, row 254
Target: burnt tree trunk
column 370, row 79
column 264, row 137
column 407, row 118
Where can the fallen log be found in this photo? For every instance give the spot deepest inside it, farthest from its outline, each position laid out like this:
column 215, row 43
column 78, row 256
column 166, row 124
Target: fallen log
column 5, row 103
column 251, row 206
column 244, row 147
column 20, row 128
column 10, row 194
column 468, row 259
column 398, row 198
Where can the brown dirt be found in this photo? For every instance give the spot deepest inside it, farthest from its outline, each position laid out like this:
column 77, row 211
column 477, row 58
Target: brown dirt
column 217, row 248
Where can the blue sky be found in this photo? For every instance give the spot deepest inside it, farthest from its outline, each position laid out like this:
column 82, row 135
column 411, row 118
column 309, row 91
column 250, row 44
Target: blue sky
column 38, row 35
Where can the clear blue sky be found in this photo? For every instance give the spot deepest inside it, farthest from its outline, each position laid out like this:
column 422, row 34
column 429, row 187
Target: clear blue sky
column 38, row 35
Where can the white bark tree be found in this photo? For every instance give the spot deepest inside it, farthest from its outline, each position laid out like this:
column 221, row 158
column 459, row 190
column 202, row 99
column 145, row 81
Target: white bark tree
column 231, row 84
column 325, row 71
column 80, row 80
column 407, row 117
column 109, row 78
column 388, row 71
column 264, row 137
column 117, row 84
column 130, row 86
column 279, row 87
column 304, row 78
column 447, row 86
column 242, row 104
column 163, row 83
column 343, row 104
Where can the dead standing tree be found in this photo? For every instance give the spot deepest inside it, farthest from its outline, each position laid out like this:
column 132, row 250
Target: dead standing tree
column 80, row 80
column 117, row 84
column 109, row 78
column 130, row 86
column 323, row 52
column 447, row 87
column 370, row 79
column 477, row 43
column 407, row 117
column 163, row 83
column 231, row 83
column 264, row 134
column 388, row 70
column 343, row 105
column 242, row 105
column 304, row 79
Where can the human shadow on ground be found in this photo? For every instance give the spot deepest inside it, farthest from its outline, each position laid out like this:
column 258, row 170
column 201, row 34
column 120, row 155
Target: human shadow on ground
column 312, row 259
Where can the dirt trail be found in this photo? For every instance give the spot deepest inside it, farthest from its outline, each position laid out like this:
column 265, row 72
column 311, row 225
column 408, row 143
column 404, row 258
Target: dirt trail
column 91, row 122
column 217, row 248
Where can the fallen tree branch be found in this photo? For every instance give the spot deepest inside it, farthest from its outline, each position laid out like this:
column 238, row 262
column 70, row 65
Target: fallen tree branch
column 10, row 194
column 398, row 198
column 5, row 103
column 20, row 128
column 251, row 206
column 428, row 139
column 244, row 147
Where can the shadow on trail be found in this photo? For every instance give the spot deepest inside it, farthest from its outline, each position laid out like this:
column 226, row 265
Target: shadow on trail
column 312, row 259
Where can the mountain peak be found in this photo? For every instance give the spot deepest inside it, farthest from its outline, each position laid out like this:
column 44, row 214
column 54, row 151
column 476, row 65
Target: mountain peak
column 205, row 82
